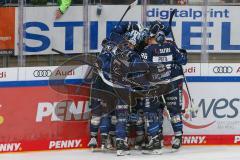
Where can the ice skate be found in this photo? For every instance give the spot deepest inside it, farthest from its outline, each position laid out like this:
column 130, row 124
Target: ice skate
column 93, row 143
column 140, row 144
column 104, row 142
column 122, row 147
column 111, row 142
column 176, row 143
column 153, row 147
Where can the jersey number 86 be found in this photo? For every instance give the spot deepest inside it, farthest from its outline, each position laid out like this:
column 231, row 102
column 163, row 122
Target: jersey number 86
column 144, row 55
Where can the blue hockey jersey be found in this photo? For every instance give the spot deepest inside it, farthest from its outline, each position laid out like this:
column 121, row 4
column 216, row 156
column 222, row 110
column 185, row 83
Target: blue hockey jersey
column 104, row 62
column 164, row 61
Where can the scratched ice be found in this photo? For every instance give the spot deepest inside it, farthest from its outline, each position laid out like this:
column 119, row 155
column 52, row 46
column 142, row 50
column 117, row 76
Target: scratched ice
column 186, row 153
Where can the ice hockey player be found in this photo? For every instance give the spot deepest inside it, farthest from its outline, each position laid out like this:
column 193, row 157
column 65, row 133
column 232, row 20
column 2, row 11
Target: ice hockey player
column 130, row 66
column 127, row 27
column 103, row 102
column 134, row 66
column 136, row 34
column 136, row 117
column 163, row 58
column 105, row 64
column 174, row 98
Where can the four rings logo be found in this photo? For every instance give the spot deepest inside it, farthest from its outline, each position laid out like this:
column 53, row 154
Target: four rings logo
column 222, row 69
column 42, row 73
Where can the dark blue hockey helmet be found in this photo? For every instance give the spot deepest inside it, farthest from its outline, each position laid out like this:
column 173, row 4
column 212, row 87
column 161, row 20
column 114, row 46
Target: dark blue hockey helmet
column 157, row 26
column 121, row 28
column 160, row 37
column 116, row 38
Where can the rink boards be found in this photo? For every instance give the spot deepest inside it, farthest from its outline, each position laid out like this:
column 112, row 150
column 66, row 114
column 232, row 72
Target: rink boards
column 42, row 32
column 39, row 111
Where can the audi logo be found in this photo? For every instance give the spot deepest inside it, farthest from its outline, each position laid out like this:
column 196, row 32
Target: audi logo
column 222, row 69
column 42, row 73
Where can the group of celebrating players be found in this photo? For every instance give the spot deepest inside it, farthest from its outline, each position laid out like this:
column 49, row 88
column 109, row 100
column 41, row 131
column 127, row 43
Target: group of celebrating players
column 138, row 77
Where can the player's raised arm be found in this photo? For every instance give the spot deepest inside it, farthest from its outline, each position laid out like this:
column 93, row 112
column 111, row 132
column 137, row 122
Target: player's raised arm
column 63, row 6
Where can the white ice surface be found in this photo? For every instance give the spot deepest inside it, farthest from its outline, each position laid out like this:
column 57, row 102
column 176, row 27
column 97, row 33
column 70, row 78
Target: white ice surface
column 186, row 153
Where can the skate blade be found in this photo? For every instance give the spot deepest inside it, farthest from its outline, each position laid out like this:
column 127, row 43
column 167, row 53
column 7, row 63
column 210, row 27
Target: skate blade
column 122, row 153
column 153, row 152
column 105, row 150
column 92, row 149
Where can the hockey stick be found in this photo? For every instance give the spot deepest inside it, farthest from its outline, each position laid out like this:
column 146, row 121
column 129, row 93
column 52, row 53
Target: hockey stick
column 170, row 23
column 165, row 108
column 193, row 109
column 129, row 7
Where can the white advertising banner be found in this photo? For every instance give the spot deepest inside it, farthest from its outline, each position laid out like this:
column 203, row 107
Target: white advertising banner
column 9, row 74
column 218, row 103
column 68, row 72
column 77, row 72
column 192, row 69
column 224, row 69
column 218, row 109
column 42, row 73
column 43, row 32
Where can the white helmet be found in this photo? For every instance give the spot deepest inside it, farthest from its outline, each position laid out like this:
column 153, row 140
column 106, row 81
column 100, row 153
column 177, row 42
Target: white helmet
column 133, row 36
column 140, row 27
